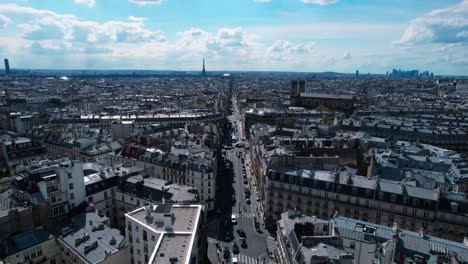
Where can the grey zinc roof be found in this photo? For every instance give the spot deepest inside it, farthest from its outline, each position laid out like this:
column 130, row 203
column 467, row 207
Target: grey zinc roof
column 410, row 241
column 390, row 187
column 327, row 96
column 29, row 239
column 358, row 181
column 163, row 208
column 91, row 224
column 325, row 176
column 427, row 194
column 323, row 250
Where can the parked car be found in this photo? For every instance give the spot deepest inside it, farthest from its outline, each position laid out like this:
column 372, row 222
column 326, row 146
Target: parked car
column 241, row 233
column 226, row 253
column 235, row 248
column 243, row 243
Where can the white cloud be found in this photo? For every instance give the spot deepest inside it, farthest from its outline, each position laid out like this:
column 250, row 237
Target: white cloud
column 4, row 21
column 347, row 55
column 231, row 42
column 320, row 2
column 146, row 2
column 137, row 19
column 283, row 50
column 262, row 1
column 88, row 3
column 449, row 25
column 48, row 25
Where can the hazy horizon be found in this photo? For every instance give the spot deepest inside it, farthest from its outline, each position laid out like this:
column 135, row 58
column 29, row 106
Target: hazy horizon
column 259, row 35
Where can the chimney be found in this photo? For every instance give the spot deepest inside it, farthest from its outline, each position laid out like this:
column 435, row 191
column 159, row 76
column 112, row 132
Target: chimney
column 395, row 230
column 147, row 211
column 168, row 221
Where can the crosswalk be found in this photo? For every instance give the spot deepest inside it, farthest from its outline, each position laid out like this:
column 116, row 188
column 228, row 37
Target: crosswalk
column 246, row 259
column 271, row 244
column 246, row 215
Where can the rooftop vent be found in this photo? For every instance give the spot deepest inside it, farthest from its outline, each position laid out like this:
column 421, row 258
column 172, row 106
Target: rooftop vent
column 90, row 247
column 81, row 239
column 97, row 228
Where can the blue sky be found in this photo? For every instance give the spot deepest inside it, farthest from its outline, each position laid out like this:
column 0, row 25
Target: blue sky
column 286, row 35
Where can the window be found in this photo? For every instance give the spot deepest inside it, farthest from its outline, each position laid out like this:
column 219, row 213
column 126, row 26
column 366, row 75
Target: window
column 352, row 244
column 72, row 196
column 153, row 238
column 426, row 214
column 70, row 186
column 69, row 175
column 145, row 236
column 405, row 200
column 90, row 199
column 354, row 190
column 381, row 195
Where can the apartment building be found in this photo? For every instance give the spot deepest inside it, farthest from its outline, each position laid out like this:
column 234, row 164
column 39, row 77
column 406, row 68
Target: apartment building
column 60, row 182
column 338, row 239
column 321, row 193
column 166, row 233
column 91, row 240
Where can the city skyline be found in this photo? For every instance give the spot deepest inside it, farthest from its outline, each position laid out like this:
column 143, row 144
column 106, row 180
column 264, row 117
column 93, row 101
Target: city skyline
column 276, row 35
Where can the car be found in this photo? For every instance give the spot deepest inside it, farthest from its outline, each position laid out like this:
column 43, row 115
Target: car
column 241, row 233
column 226, row 253
column 243, row 243
column 248, row 201
column 235, row 248
column 228, row 237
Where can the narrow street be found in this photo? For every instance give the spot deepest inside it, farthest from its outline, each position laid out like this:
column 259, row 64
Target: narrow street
column 237, row 197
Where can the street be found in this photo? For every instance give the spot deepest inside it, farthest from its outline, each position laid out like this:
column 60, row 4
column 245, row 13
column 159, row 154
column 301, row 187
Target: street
column 237, row 196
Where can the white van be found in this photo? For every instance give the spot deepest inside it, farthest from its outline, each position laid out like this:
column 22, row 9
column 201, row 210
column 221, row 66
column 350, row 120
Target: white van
column 233, row 219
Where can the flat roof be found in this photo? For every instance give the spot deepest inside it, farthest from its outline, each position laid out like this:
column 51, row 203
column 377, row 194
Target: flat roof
column 175, row 243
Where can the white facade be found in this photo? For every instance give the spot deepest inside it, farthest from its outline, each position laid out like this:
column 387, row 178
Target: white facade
column 153, row 236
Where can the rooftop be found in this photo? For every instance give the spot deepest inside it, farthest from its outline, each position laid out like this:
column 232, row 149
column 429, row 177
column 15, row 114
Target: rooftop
column 91, row 239
column 177, row 242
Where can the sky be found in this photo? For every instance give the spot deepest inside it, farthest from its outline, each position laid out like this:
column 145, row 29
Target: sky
column 250, row 35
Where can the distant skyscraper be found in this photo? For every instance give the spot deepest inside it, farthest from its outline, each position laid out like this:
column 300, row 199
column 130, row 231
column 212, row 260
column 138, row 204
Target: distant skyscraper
column 203, row 72
column 7, row 66
column 357, row 73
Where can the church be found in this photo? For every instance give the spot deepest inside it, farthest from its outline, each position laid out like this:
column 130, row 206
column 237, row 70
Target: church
column 298, row 97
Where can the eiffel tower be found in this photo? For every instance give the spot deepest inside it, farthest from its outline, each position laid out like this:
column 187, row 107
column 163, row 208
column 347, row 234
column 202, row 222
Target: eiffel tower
column 203, row 72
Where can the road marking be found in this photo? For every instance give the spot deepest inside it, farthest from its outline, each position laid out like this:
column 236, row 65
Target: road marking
column 246, row 215
column 246, row 259
column 212, row 240
column 271, row 244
